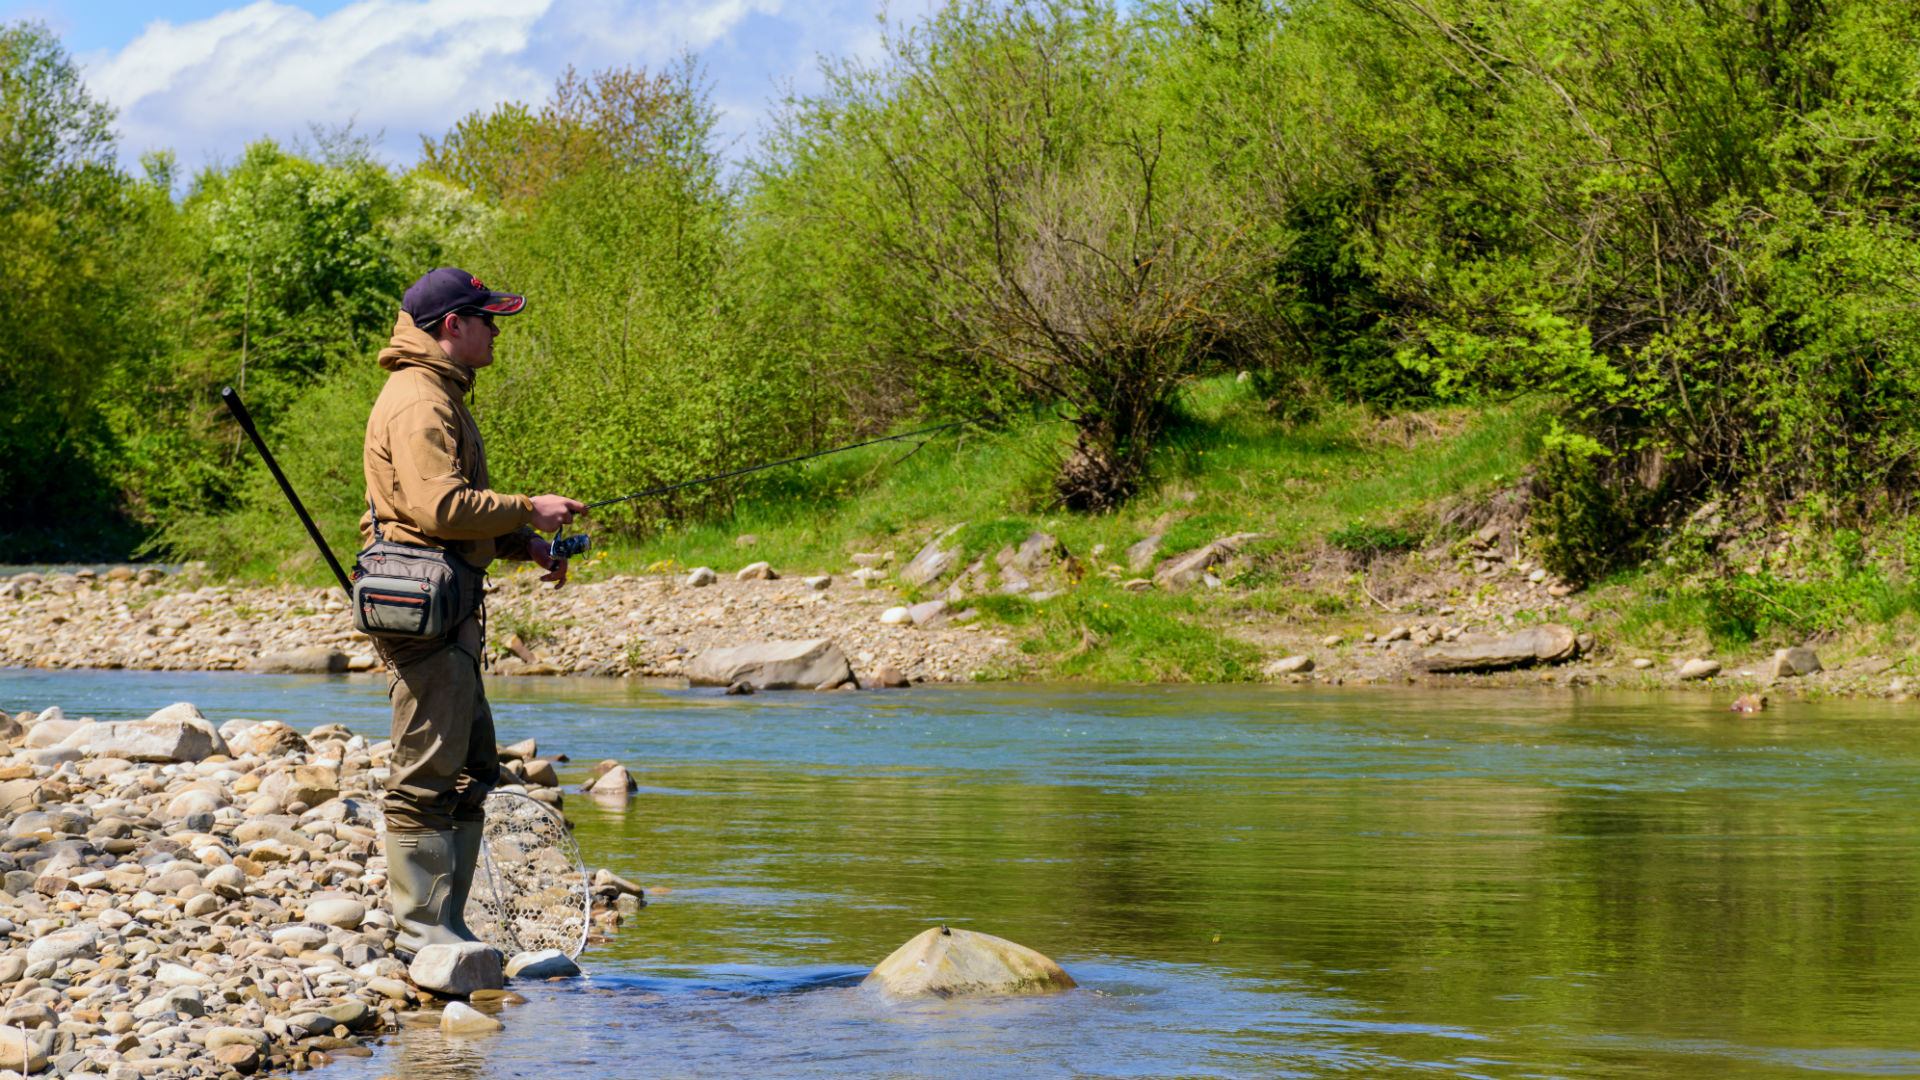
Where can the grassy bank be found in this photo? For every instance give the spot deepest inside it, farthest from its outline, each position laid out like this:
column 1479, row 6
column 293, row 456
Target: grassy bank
column 1229, row 467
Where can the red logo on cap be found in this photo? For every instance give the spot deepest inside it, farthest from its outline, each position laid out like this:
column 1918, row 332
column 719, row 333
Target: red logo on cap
column 476, row 283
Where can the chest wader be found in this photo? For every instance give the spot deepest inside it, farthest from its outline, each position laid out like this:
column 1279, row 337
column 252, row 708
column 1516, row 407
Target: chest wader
column 430, row 869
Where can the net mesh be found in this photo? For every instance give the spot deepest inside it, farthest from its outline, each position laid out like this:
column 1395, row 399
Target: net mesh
column 530, row 891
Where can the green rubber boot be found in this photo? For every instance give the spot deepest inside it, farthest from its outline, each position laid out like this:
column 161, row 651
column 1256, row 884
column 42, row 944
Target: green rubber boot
column 420, row 882
column 466, row 854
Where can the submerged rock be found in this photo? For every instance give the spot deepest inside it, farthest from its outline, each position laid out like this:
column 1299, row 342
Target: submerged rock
column 947, row 963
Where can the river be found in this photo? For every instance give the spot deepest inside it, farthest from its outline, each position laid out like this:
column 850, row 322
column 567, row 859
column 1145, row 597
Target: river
column 1247, row 881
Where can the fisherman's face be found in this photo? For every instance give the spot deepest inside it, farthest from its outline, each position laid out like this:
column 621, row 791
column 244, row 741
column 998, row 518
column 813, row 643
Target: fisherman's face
column 468, row 339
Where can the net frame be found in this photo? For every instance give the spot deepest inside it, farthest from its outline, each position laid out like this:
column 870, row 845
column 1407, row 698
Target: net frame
column 531, row 890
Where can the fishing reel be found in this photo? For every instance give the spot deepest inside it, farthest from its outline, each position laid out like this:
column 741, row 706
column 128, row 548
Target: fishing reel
column 576, row 544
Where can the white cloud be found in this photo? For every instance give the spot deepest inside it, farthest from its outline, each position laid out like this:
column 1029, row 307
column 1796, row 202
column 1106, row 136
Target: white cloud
column 400, row 68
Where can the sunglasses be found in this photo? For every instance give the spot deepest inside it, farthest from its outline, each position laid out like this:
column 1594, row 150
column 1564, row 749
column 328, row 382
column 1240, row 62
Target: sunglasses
column 483, row 316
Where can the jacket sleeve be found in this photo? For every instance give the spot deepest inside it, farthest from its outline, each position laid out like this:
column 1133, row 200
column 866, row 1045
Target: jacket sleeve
column 434, row 492
column 516, row 546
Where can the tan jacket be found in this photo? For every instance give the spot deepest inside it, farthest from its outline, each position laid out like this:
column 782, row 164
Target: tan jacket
column 426, row 468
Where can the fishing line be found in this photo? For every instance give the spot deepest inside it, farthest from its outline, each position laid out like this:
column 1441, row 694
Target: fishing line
column 934, row 430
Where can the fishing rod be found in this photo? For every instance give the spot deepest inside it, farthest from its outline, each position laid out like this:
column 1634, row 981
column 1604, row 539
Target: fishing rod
column 239, row 411
column 575, row 545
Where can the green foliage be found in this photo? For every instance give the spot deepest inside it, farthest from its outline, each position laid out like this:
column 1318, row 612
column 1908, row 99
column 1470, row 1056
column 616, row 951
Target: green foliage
column 1103, row 634
column 1737, row 609
column 1368, row 542
column 1582, row 527
column 1030, row 221
column 70, row 235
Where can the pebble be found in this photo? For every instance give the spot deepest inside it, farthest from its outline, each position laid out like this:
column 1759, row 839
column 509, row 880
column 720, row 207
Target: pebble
column 639, row 625
column 142, row 942
column 462, row 1019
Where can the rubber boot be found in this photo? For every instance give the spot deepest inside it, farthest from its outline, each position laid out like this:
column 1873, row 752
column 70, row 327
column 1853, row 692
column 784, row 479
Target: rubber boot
column 466, row 862
column 420, row 879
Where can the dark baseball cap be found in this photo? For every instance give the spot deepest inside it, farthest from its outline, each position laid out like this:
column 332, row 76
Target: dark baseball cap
column 450, row 289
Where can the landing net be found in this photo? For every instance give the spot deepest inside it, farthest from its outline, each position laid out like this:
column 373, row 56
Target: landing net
column 530, row 891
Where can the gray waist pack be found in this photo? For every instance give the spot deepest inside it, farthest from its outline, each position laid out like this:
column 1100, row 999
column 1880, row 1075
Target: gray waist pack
column 411, row 592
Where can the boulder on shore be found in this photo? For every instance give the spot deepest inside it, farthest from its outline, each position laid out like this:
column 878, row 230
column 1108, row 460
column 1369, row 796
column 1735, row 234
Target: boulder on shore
column 1797, row 661
column 934, row 560
column 315, row 660
column 772, row 665
column 1548, row 643
column 944, row 962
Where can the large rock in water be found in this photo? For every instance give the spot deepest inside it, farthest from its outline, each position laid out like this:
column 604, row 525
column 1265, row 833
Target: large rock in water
column 1548, row 643
column 964, row 963
column 772, row 665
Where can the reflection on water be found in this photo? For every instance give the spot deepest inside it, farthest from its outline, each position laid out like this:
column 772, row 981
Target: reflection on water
column 1247, row 882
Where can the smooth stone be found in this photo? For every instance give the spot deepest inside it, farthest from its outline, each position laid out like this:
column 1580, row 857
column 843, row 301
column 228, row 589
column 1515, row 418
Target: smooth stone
column 895, row 616
column 544, row 964
column 311, row 660
column 298, row 939
column 928, row 612
column 343, row 913
column 457, row 970
column 701, row 577
column 1699, row 669
column 462, row 1019
column 1289, row 665
column 194, row 801
column 615, row 781
column 229, row 881
column 759, row 571
column 63, row 945
column 1547, row 643
column 240, row 1057
column 352, row 1014
column 1794, row 662
column 17, row 1046
column 264, row 738
column 181, row 975
column 771, row 665
column 237, row 1036
column 943, row 962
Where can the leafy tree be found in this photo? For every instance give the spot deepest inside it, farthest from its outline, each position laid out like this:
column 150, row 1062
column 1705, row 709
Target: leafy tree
column 1029, row 225
column 76, row 297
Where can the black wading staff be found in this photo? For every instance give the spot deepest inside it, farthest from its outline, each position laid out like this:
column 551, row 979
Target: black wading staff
column 239, row 412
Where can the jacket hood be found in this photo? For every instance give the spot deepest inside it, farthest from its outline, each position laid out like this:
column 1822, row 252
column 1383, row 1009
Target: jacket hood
column 414, row 347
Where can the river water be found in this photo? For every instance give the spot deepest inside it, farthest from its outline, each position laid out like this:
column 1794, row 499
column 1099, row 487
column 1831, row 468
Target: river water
column 1247, row 882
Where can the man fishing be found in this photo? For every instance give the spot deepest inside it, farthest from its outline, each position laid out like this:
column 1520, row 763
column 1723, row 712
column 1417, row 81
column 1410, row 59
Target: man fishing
column 427, row 485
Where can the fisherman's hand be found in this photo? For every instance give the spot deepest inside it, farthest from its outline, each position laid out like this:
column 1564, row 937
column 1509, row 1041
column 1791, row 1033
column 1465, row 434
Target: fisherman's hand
column 552, row 511
column 542, row 552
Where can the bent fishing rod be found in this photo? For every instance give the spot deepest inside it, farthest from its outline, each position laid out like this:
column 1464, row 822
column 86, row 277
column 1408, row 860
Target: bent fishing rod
column 572, row 545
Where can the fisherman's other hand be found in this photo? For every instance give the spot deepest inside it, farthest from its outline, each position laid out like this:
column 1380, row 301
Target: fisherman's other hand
column 552, row 511
column 556, row 569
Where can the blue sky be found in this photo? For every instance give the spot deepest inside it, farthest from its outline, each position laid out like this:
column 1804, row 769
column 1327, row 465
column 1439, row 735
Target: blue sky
column 204, row 77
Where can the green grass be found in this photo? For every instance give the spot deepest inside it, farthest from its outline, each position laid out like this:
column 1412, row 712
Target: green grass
column 1225, row 466
column 1102, row 633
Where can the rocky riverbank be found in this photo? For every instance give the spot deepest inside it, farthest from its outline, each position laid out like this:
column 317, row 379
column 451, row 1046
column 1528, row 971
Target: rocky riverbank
column 184, row 901
column 626, row 625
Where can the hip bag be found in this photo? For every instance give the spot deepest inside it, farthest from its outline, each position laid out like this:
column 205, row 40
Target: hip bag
column 409, row 591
